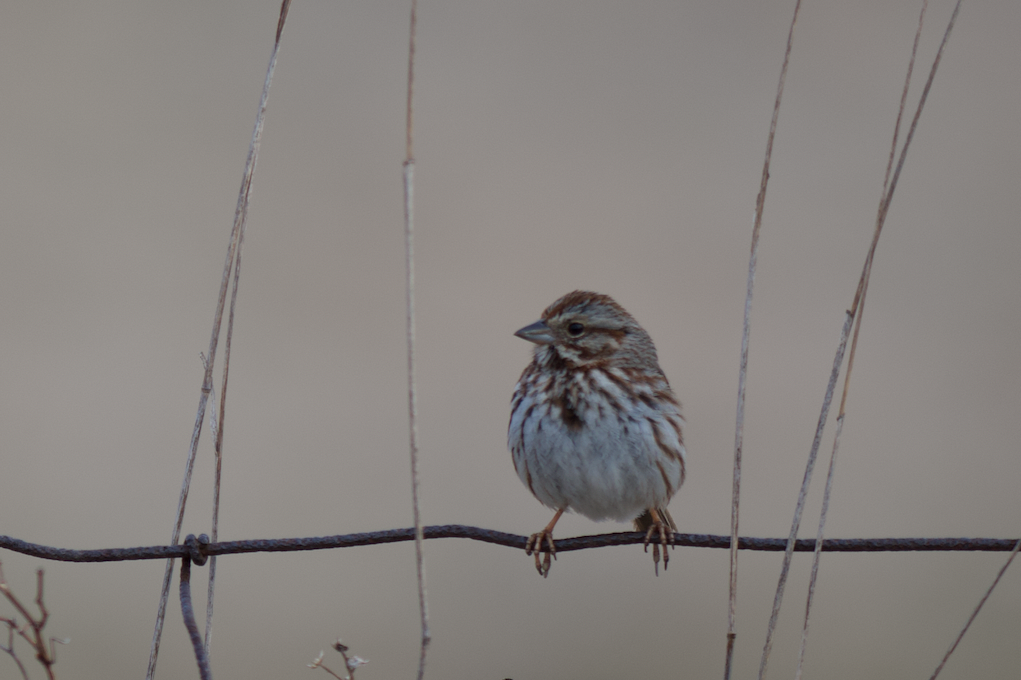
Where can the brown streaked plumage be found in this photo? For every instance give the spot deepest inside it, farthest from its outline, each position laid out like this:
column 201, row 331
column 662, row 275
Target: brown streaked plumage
column 594, row 425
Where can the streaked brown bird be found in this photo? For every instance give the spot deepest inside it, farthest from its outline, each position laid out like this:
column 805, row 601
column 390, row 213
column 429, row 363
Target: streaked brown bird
column 594, row 426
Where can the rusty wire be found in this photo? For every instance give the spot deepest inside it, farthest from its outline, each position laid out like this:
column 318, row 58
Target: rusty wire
column 500, row 538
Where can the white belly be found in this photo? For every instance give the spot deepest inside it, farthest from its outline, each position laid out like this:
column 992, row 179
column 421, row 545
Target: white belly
column 610, row 465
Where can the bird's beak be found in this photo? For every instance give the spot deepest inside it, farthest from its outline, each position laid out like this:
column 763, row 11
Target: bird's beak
column 538, row 332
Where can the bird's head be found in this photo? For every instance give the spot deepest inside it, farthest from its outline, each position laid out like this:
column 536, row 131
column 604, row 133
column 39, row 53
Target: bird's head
column 585, row 328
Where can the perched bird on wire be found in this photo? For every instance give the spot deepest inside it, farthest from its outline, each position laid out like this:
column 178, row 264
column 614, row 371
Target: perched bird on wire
column 594, row 426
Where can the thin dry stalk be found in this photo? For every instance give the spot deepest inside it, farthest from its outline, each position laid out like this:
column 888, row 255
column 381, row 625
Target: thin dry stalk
column 240, row 219
column 819, row 538
column 856, row 309
column 218, row 447
column 409, row 184
column 978, row 608
column 838, row 360
column 760, row 203
column 216, row 520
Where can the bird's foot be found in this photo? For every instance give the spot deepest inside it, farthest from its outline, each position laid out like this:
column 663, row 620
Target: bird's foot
column 665, row 534
column 534, row 546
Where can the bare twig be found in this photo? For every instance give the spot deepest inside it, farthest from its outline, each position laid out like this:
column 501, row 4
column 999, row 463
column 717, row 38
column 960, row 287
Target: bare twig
column 32, row 632
column 12, row 626
column 240, row 218
column 978, row 608
column 409, row 184
column 760, row 203
column 318, row 663
column 351, row 661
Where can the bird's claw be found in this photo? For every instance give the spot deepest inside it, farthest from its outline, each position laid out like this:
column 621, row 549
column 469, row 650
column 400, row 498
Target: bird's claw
column 666, row 537
column 534, row 547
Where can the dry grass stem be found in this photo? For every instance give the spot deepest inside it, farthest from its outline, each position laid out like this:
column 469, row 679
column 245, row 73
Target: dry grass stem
column 409, row 250
column 760, row 203
column 220, row 413
column 858, row 309
column 240, row 219
column 855, row 311
column 978, row 608
column 838, row 360
column 818, row 541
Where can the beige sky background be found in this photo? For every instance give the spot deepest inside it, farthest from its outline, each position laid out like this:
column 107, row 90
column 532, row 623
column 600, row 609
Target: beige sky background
column 613, row 146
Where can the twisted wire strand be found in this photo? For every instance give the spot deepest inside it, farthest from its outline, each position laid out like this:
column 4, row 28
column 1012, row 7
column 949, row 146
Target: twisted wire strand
column 505, row 539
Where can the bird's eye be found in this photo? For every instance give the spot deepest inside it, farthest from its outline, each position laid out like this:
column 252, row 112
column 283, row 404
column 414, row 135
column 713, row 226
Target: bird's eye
column 576, row 329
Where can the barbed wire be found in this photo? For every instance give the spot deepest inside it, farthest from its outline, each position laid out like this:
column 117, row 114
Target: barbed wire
column 205, row 548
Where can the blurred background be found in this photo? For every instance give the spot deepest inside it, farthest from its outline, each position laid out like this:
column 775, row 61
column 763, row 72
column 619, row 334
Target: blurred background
column 600, row 145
